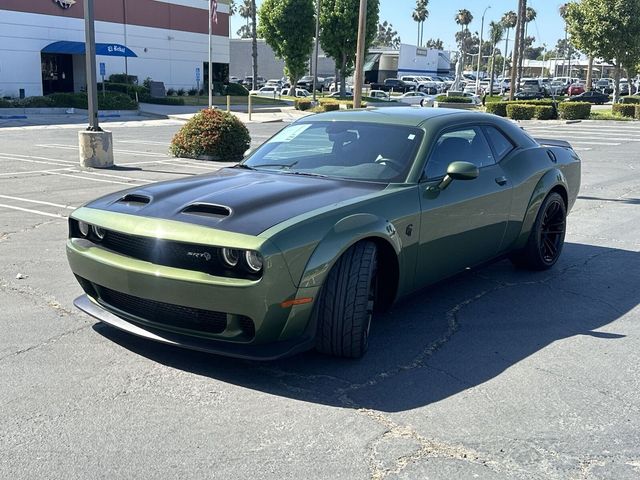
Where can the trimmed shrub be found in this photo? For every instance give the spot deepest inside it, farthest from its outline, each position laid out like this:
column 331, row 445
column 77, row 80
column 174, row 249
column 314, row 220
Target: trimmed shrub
column 236, row 90
column 5, row 103
column 213, row 133
column 146, row 98
column 116, row 101
column 497, row 108
column 445, row 99
column 637, row 113
column 302, row 104
column 574, row 110
column 625, row 110
column 521, row 111
column 330, row 106
column 129, row 89
column 34, row 102
column 69, row 100
column 123, row 78
column 633, row 99
column 544, row 112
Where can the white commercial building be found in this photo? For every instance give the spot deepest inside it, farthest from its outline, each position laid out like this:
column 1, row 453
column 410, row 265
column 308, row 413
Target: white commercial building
column 42, row 43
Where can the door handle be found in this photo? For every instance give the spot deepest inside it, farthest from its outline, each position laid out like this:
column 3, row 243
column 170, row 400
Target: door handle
column 501, row 181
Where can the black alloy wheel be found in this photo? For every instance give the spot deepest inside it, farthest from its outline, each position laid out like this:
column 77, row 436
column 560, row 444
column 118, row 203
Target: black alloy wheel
column 546, row 239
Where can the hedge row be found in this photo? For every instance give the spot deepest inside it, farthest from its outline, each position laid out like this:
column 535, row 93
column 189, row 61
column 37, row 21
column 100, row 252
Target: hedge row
column 574, row 110
column 500, row 108
column 109, row 101
column 629, row 110
column 303, row 104
column 452, row 99
column 630, row 99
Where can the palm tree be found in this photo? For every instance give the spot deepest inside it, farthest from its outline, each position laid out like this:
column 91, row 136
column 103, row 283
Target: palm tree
column 496, row 31
column 463, row 18
column 563, row 13
column 254, row 44
column 530, row 16
column 419, row 15
column 245, row 11
column 508, row 21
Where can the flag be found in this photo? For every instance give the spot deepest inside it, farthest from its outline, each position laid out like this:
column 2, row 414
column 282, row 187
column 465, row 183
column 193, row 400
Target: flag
column 214, row 11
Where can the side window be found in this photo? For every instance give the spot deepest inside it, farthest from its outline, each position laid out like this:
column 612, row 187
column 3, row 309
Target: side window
column 464, row 145
column 501, row 144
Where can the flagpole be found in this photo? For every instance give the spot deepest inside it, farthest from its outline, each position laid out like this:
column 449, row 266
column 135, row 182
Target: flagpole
column 209, row 81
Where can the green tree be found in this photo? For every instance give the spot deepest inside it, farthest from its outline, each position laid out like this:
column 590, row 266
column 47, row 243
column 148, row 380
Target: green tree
column 387, row 36
column 463, row 18
column 420, row 15
column 339, row 25
column 496, row 31
column 508, row 21
column 288, row 27
column 609, row 29
column 435, row 44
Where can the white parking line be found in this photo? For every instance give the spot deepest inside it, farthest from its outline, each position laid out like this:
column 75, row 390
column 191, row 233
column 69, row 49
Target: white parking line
column 131, row 184
column 21, row 199
column 38, row 212
column 27, row 172
column 114, row 176
column 35, row 157
column 145, row 142
column 581, row 142
column 128, row 152
column 17, row 159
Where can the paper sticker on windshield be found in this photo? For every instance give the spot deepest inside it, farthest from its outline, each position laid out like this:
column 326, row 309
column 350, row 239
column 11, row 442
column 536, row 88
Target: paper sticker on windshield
column 289, row 134
column 412, row 136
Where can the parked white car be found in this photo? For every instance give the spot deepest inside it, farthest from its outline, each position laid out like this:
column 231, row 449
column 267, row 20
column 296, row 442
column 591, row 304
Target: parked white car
column 417, row 98
column 266, row 91
column 297, row 92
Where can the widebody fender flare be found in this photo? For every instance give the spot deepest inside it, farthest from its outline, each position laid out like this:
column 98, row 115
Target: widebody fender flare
column 345, row 233
column 550, row 180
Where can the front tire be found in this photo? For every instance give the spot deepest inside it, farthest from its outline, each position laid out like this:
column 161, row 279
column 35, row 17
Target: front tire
column 345, row 306
column 547, row 236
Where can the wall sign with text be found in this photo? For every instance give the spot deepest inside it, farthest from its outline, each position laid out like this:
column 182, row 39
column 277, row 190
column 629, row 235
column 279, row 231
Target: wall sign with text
column 64, row 3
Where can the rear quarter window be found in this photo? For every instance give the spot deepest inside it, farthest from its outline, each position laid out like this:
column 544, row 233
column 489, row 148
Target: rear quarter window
column 500, row 143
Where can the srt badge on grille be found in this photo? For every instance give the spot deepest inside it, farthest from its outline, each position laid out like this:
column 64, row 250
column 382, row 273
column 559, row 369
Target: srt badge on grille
column 200, row 255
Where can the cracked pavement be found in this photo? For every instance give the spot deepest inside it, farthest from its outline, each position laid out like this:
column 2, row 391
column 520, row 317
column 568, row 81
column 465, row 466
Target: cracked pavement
column 495, row 374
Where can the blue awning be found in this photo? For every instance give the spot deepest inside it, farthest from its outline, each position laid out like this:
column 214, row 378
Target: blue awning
column 77, row 48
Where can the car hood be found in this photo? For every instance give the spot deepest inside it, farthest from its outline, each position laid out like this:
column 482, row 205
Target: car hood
column 235, row 200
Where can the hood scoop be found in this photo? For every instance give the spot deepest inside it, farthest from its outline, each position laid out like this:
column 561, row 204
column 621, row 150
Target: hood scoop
column 210, row 210
column 135, row 199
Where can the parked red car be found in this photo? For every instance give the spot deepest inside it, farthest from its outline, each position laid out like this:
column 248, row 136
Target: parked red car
column 575, row 89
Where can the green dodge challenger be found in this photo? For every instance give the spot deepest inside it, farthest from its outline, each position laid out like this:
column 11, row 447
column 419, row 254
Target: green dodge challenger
column 334, row 218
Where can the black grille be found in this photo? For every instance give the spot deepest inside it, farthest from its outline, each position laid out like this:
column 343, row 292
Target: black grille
column 189, row 256
column 162, row 313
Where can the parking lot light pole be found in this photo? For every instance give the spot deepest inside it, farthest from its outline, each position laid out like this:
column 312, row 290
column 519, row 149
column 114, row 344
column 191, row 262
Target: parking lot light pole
column 480, row 52
column 358, row 80
column 315, row 57
column 95, row 144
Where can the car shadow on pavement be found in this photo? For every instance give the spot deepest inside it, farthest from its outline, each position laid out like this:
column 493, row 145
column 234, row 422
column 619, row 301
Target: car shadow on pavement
column 446, row 339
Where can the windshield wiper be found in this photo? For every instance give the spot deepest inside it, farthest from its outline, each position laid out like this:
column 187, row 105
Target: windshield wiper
column 307, row 174
column 242, row 165
column 281, row 165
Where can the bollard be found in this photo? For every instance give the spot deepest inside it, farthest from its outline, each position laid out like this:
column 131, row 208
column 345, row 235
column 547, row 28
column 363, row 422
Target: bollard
column 228, row 103
column 250, row 102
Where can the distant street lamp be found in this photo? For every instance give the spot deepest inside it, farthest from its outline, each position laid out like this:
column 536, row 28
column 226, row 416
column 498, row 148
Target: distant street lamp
column 315, row 57
column 480, row 51
column 359, row 74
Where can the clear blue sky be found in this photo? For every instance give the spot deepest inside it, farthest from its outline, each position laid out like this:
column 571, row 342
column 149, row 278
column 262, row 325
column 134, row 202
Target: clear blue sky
column 547, row 28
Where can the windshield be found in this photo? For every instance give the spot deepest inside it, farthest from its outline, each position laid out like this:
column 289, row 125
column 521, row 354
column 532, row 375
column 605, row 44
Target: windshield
column 349, row 150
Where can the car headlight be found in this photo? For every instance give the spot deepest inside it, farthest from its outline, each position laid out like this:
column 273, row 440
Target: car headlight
column 254, row 260
column 230, row 256
column 99, row 232
column 84, row 228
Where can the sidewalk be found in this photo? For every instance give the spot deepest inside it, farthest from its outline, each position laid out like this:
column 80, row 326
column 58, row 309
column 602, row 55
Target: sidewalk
column 260, row 114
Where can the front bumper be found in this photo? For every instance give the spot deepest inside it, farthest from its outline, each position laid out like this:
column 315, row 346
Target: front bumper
column 276, row 331
column 270, row 351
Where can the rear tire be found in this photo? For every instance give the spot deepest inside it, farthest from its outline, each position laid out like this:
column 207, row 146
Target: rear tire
column 545, row 242
column 346, row 303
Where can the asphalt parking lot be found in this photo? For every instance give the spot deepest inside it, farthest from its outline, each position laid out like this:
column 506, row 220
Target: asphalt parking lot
column 495, row 374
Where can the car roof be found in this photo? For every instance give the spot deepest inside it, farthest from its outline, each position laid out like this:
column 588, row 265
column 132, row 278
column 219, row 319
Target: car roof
column 397, row 115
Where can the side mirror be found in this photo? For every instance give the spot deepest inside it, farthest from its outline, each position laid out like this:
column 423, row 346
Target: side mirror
column 459, row 171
